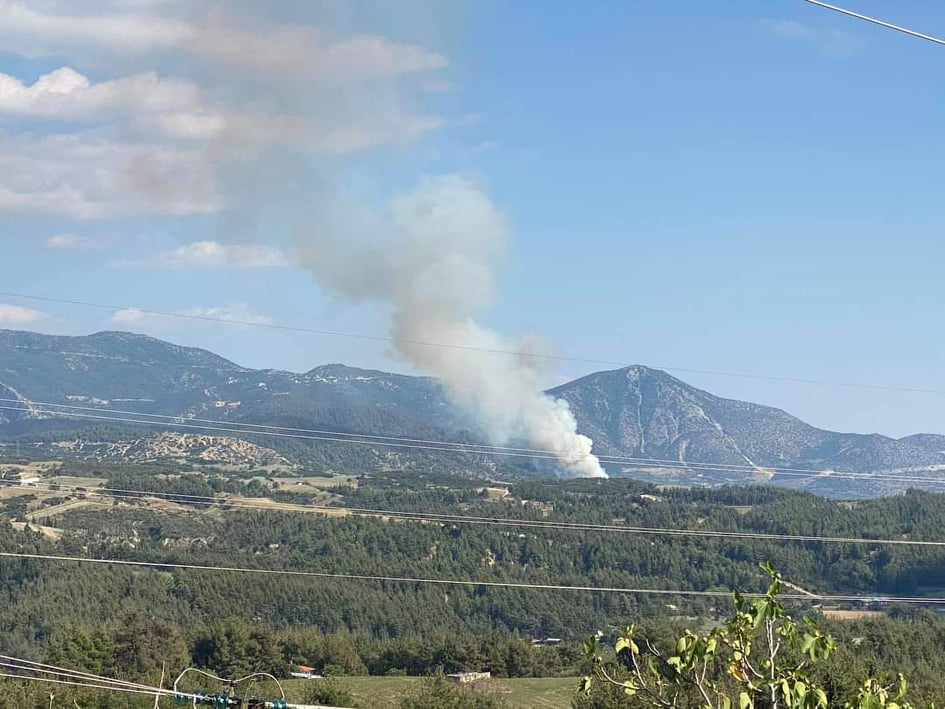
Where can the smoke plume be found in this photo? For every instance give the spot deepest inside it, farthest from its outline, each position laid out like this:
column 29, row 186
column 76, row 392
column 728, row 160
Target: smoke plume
column 433, row 258
column 261, row 108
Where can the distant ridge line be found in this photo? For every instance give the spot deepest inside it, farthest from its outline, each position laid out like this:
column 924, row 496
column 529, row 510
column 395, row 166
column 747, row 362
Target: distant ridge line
column 455, row 346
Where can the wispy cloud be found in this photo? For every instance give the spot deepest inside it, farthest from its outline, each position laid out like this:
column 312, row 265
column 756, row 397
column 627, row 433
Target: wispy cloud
column 66, row 94
column 262, row 47
column 71, row 242
column 18, row 316
column 237, row 314
column 90, row 177
column 214, row 254
column 824, row 40
column 129, row 316
column 248, row 90
column 234, row 314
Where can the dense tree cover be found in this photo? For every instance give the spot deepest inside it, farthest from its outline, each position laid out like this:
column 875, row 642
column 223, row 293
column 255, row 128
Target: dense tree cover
column 760, row 658
column 128, row 621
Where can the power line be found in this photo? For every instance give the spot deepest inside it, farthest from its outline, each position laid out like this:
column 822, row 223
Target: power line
column 246, row 504
column 30, row 666
column 932, row 600
column 86, row 680
column 460, row 346
column 335, row 438
column 89, row 680
column 473, row 449
column 626, row 462
column 55, row 669
column 460, row 446
column 106, row 687
column 873, row 20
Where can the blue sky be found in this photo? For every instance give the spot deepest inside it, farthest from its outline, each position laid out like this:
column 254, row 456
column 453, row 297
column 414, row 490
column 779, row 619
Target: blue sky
column 734, row 186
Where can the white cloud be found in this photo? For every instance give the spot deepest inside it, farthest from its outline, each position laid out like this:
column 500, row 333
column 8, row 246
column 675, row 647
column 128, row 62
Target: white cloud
column 250, row 94
column 213, row 254
column 304, row 51
column 71, row 242
column 238, row 314
column 17, row 315
column 830, row 41
column 67, row 94
column 177, row 110
column 129, row 316
column 256, row 46
column 86, row 177
column 233, row 314
column 172, row 107
column 29, row 30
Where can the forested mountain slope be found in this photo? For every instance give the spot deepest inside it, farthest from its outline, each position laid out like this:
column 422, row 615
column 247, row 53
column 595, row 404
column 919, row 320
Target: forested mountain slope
column 636, row 412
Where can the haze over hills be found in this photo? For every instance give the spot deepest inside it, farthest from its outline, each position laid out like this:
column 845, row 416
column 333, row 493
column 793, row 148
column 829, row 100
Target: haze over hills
column 632, row 412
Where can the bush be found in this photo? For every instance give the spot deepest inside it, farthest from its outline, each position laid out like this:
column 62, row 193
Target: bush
column 437, row 692
column 329, row 692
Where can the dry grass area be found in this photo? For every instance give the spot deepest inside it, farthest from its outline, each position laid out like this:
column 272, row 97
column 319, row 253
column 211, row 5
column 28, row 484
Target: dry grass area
column 494, row 493
column 44, row 513
column 38, row 467
column 313, row 483
column 267, row 503
column 70, row 481
column 48, row 532
column 850, row 614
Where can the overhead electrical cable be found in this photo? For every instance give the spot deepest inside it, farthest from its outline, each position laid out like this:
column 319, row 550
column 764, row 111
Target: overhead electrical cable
column 32, row 405
column 248, row 504
column 84, row 680
column 29, row 665
column 474, row 449
column 87, row 685
column 873, row 20
column 932, row 600
column 460, row 346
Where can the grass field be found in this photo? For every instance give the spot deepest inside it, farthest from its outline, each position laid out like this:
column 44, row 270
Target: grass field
column 840, row 614
column 543, row 693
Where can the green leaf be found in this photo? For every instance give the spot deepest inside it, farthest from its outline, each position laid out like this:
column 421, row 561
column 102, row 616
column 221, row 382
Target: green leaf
column 586, row 684
column 626, row 643
column 903, row 686
column 744, row 701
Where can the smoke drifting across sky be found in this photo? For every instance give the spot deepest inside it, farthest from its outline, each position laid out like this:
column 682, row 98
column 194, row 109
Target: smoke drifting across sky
column 252, row 121
column 432, row 258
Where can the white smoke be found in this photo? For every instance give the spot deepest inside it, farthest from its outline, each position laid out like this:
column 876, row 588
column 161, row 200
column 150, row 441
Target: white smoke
column 433, row 258
column 256, row 106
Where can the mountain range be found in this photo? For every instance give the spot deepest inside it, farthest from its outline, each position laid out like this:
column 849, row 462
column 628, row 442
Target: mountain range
column 675, row 433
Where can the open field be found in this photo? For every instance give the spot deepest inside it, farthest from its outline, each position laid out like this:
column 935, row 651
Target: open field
column 73, row 481
column 267, row 503
column 544, row 692
column 37, row 467
column 48, row 532
column 306, row 484
column 838, row 614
